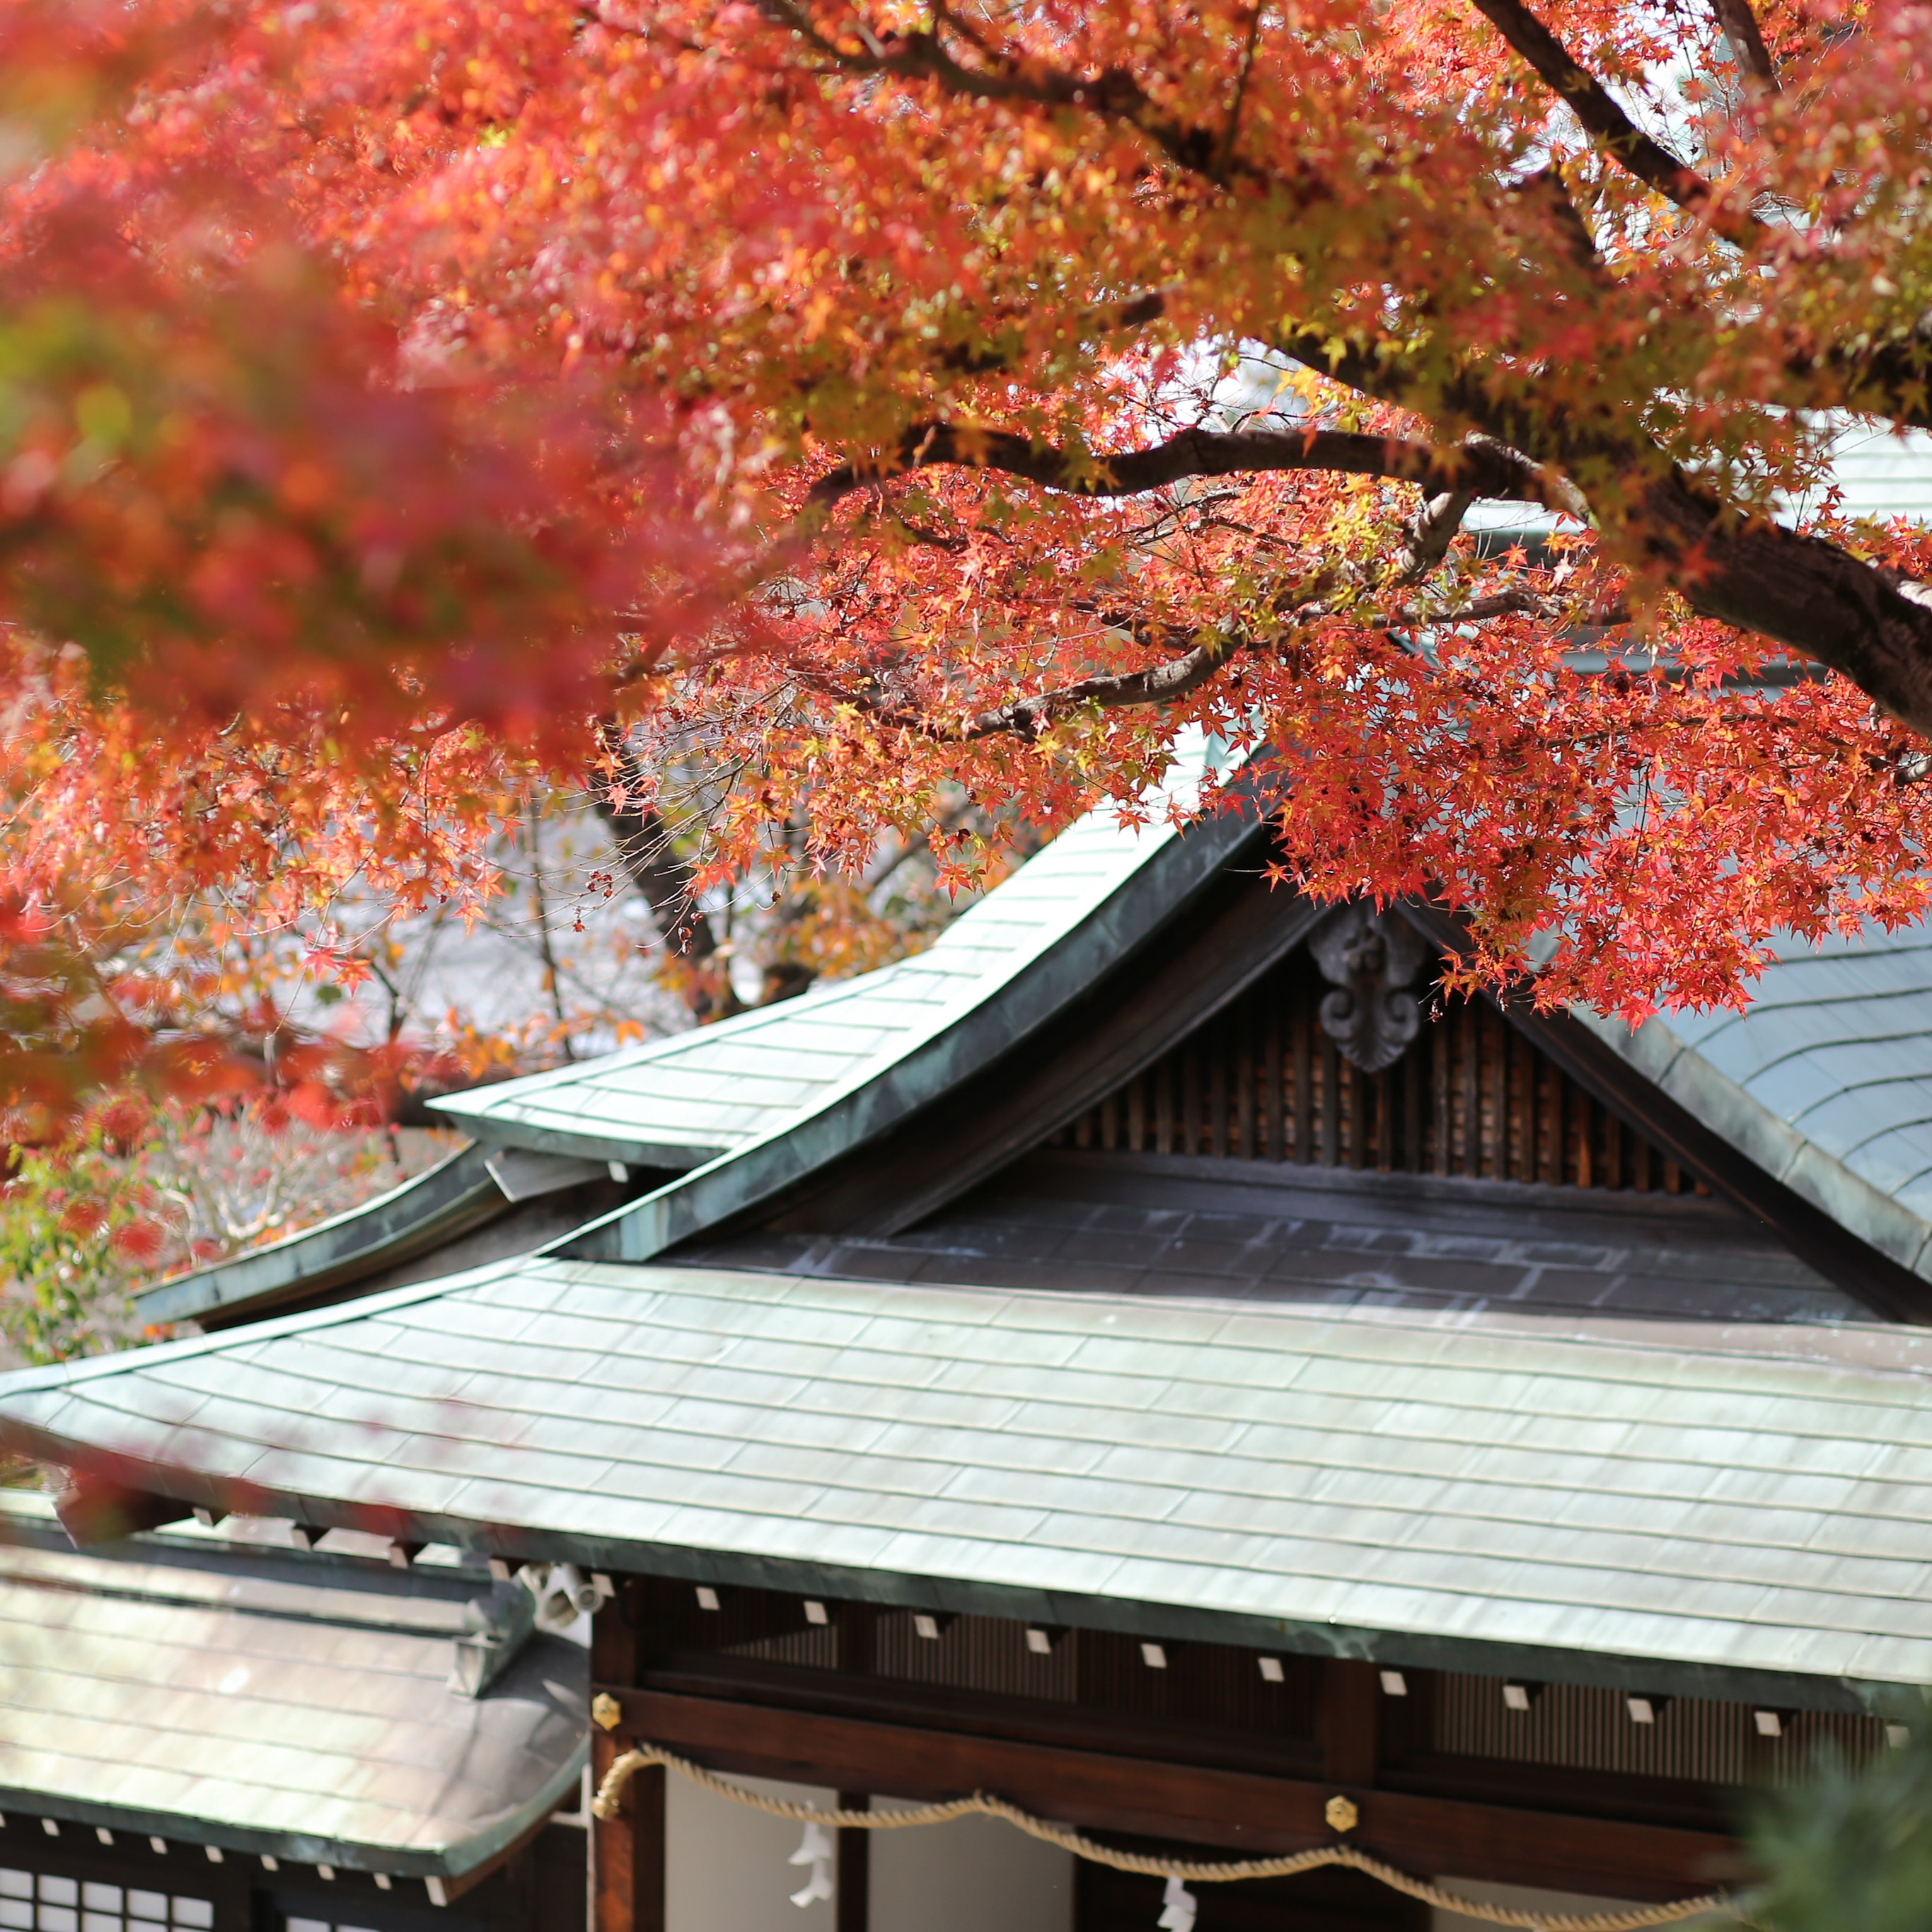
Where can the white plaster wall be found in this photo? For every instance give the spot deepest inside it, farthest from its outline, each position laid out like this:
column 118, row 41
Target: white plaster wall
column 724, row 1863
column 1530, row 1899
column 970, row 1875
column 726, row 1871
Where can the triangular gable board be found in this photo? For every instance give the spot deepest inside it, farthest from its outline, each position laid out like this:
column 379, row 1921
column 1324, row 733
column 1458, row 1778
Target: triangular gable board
column 1472, row 1096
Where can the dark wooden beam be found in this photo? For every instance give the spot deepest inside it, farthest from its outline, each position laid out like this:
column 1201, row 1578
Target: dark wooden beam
column 1250, row 1813
column 938, row 1707
column 98, row 1509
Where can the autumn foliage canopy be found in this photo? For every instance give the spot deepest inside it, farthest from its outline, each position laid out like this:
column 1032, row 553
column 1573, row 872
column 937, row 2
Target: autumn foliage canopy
column 407, row 404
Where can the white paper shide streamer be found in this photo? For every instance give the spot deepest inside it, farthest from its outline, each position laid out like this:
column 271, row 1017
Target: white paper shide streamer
column 1177, row 1907
column 814, row 1849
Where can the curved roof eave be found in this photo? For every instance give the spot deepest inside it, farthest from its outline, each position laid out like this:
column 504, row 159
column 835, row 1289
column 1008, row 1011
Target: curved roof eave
column 426, row 1210
column 1686, row 1069
column 699, row 1096
column 1048, row 980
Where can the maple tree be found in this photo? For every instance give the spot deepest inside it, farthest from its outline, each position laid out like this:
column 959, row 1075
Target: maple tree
column 405, row 410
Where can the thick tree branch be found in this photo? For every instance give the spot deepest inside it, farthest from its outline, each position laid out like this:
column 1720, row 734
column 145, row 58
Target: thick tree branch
column 1869, row 624
column 1166, row 683
column 1430, row 532
column 1804, row 592
column 1481, row 465
column 1741, row 28
column 1030, row 717
column 1800, row 592
column 651, row 860
column 1389, row 371
column 1592, row 103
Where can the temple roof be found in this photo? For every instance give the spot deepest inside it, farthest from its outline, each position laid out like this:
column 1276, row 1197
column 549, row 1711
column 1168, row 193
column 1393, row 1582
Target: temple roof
column 738, row 1109
column 682, row 1101
column 1825, row 1081
column 1727, row 1508
column 269, row 1699
column 1483, row 1425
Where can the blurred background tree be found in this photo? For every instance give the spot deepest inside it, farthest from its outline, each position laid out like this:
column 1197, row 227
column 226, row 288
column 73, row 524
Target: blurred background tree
column 1850, row 1850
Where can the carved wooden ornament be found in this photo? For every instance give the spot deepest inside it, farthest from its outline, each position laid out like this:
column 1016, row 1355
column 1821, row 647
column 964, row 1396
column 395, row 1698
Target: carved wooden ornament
column 1371, row 957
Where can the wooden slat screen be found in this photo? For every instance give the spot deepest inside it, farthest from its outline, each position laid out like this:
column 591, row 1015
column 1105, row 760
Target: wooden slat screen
column 1472, row 1096
column 1218, row 1685
column 1589, row 1728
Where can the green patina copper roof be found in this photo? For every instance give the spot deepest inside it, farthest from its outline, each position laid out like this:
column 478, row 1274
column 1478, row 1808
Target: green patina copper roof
column 1825, row 1081
column 681, row 1101
column 1746, row 1510
column 269, row 1700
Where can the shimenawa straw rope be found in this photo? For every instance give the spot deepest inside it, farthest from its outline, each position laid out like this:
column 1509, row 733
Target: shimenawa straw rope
column 610, row 1791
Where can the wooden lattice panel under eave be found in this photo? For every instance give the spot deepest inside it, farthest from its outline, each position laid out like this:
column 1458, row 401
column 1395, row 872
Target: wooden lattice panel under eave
column 1472, row 1096
column 1589, row 1728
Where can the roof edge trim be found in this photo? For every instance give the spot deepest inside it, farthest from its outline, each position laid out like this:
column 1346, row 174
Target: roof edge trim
column 496, row 1134
column 133, row 1361
column 475, row 1106
column 454, row 1861
column 1173, row 1621
column 422, row 1213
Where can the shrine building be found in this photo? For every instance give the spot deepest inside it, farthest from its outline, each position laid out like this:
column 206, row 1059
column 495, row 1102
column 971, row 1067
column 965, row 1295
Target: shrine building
column 1150, row 1358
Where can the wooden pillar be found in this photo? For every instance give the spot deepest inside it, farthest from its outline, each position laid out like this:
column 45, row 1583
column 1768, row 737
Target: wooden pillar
column 851, row 1901
column 851, row 1905
column 1347, row 1720
column 627, row 1854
